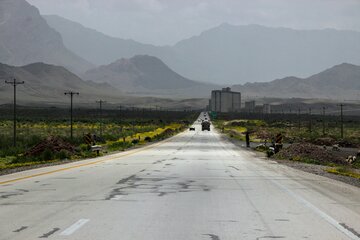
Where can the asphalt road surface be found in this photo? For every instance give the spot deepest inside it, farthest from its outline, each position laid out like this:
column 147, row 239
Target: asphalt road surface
column 192, row 186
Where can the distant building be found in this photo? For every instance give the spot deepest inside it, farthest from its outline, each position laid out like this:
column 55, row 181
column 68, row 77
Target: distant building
column 250, row 106
column 225, row 101
column 258, row 109
column 267, row 108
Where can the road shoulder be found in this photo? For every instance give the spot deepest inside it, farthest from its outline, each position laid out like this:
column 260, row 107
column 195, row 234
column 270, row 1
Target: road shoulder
column 319, row 170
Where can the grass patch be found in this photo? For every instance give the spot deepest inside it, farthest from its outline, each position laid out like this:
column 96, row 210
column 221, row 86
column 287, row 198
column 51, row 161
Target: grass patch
column 117, row 136
column 344, row 171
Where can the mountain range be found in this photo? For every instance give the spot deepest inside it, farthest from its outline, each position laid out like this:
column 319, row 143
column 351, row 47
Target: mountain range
column 122, row 68
column 46, row 84
column 339, row 82
column 225, row 54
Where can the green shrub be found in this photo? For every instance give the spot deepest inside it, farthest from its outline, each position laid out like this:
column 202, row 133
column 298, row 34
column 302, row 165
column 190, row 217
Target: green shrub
column 85, row 147
column 118, row 145
column 47, row 155
column 148, row 139
column 63, row 154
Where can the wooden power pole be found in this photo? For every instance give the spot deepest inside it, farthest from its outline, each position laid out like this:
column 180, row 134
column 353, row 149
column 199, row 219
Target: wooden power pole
column 101, row 102
column 71, row 93
column 14, row 83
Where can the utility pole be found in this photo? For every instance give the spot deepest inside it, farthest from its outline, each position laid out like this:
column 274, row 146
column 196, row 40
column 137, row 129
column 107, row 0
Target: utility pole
column 324, row 108
column 342, row 120
column 14, row 83
column 101, row 102
column 71, row 93
column 310, row 121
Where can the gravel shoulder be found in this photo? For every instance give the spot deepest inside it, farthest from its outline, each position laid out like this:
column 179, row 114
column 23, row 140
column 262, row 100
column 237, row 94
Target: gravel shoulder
column 319, row 170
column 310, row 168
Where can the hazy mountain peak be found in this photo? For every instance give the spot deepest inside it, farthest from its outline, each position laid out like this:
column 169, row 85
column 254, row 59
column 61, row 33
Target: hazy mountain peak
column 95, row 46
column 344, row 65
column 144, row 75
column 39, row 67
column 26, row 38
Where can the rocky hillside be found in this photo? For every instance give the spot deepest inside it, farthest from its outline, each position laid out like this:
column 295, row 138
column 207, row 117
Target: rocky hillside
column 95, row 46
column 47, row 83
column 26, row 38
column 145, row 74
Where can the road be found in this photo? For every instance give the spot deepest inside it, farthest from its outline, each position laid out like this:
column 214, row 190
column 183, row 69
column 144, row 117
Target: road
column 192, row 186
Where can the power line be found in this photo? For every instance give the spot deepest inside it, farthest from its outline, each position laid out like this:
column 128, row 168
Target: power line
column 14, row 83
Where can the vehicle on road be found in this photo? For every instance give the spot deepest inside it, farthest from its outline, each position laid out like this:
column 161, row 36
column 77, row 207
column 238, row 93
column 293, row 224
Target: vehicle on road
column 192, row 128
column 205, row 125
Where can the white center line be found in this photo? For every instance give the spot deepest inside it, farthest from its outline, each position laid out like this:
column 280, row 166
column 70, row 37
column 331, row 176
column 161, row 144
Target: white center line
column 70, row 230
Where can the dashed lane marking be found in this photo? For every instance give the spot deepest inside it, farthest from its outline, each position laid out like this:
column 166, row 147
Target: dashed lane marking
column 73, row 228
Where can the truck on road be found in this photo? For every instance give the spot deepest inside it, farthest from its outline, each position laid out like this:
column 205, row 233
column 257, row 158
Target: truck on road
column 205, row 125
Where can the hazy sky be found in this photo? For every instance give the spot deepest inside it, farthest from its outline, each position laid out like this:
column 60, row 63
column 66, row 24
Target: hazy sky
column 168, row 21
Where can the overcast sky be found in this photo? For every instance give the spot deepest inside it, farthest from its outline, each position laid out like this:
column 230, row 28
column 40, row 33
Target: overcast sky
column 163, row 22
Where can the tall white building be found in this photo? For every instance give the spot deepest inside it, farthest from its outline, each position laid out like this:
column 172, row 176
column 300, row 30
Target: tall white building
column 225, row 101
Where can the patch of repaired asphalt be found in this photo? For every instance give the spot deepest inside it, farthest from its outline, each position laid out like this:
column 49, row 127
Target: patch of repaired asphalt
column 6, row 195
column 48, row 234
column 20, row 229
column 212, row 236
column 125, row 180
column 154, row 185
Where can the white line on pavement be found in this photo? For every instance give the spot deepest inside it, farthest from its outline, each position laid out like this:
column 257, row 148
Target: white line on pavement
column 117, row 197
column 70, row 230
